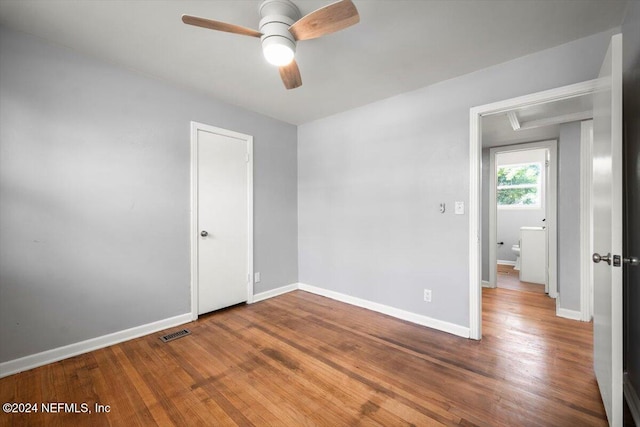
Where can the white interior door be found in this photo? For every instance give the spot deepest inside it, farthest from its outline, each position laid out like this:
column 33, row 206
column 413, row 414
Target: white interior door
column 607, row 232
column 223, row 219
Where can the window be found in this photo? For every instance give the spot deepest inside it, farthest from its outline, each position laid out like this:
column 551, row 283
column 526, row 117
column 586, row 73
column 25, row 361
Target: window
column 519, row 186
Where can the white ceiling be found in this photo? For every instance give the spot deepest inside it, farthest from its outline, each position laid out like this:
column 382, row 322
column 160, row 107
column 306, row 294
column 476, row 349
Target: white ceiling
column 497, row 130
column 398, row 45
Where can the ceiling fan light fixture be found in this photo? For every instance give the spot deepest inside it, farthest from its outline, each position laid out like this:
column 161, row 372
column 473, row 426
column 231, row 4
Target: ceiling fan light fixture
column 278, row 51
column 282, row 26
column 278, row 44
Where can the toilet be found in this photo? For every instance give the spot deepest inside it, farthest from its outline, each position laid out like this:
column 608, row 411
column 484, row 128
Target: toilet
column 516, row 251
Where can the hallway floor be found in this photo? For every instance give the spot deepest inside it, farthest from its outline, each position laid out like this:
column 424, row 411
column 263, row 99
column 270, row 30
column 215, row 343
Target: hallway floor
column 508, row 278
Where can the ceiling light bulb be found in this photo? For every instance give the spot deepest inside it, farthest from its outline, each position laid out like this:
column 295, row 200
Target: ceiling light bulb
column 278, row 54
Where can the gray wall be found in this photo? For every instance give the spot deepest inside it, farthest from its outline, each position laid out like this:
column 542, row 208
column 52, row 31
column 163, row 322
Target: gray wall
column 569, row 216
column 631, row 55
column 484, row 215
column 509, row 221
column 370, row 181
column 94, row 190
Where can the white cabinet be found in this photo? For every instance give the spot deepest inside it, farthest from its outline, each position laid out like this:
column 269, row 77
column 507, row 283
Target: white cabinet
column 533, row 255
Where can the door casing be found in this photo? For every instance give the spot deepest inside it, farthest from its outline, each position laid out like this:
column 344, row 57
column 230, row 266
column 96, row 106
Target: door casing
column 475, row 178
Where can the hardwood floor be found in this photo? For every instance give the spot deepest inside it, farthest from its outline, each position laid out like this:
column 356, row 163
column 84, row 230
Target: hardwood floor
column 508, row 278
column 304, row 360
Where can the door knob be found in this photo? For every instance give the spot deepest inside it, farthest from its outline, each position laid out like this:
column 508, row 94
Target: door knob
column 631, row 260
column 597, row 258
column 203, row 233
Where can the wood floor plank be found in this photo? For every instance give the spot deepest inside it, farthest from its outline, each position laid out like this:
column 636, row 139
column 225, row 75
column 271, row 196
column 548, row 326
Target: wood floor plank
column 334, row 352
column 276, row 372
column 407, row 380
column 509, row 278
column 312, row 373
column 303, row 360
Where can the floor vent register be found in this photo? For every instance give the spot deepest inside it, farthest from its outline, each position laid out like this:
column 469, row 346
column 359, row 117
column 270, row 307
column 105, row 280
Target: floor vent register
column 175, row 335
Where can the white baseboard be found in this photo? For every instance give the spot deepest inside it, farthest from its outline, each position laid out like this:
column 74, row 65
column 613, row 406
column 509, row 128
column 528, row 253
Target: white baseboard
column 506, row 262
column 568, row 314
column 633, row 402
column 39, row 359
column 486, row 284
column 274, row 292
column 440, row 325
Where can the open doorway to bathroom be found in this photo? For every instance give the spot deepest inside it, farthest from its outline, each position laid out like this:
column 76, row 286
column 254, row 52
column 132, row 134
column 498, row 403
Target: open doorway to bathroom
column 522, row 218
column 535, row 199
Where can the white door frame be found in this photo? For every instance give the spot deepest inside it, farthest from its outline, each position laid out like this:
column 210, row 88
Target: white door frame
column 550, row 200
column 475, row 182
column 195, row 127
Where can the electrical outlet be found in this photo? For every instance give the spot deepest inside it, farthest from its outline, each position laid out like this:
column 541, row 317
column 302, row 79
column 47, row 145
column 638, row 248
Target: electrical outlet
column 427, row 295
column 257, row 277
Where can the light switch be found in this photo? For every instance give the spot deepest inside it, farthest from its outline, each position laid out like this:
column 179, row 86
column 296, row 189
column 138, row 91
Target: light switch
column 459, row 208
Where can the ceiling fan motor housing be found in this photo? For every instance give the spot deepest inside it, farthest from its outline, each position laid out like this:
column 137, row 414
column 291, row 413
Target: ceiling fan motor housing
column 277, row 17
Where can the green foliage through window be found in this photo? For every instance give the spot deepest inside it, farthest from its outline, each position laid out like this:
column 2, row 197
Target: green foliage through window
column 519, row 185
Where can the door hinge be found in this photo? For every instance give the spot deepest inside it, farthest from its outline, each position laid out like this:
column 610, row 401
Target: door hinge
column 247, row 157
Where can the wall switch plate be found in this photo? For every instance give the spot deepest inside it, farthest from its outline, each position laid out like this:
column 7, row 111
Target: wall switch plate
column 257, row 277
column 427, row 295
column 459, row 208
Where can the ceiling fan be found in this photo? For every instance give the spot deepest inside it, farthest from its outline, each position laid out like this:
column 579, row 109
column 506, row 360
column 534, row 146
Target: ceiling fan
column 282, row 26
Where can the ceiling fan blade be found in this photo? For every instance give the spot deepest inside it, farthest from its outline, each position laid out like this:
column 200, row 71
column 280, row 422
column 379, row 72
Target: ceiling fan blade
column 290, row 75
column 219, row 26
column 326, row 20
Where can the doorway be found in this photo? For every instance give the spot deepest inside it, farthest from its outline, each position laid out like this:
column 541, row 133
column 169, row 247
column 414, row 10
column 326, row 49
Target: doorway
column 607, row 198
column 522, row 224
column 221, row 218
column 565, row 93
